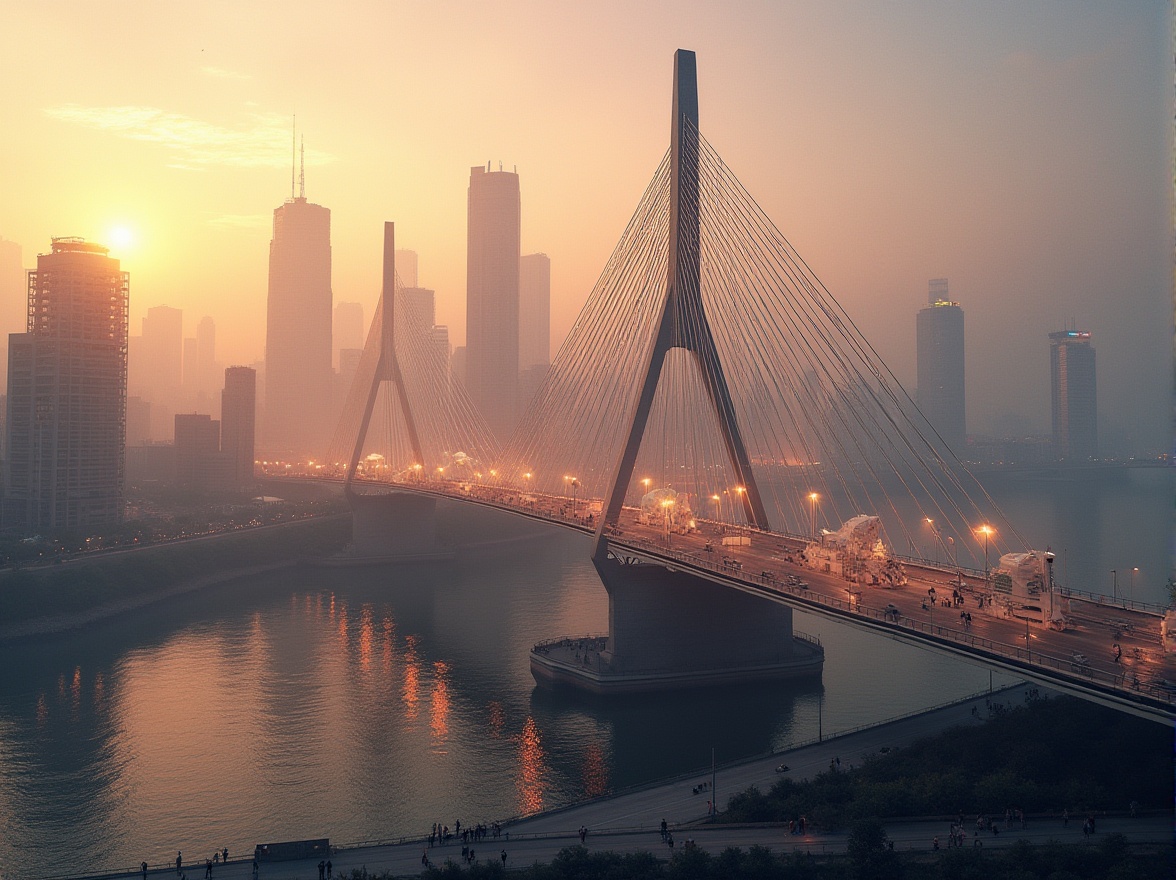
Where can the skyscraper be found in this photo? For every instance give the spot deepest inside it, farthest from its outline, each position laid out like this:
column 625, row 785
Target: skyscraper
column 161, row 351
column 67, row 393
column 1073, row 397
column 349, row 329
column 940, row 353
column 298, row 375
column 534, row 311
column 238, row 414
column 492, row 297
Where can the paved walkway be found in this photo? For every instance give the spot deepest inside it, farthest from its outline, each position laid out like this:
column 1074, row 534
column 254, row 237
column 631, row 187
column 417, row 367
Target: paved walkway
column 630, row 821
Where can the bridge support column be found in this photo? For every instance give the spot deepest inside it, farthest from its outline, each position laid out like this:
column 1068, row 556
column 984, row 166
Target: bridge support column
column 670, row 629
column 392, row 526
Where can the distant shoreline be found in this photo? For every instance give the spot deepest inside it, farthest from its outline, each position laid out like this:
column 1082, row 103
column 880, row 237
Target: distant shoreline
column 51, row 583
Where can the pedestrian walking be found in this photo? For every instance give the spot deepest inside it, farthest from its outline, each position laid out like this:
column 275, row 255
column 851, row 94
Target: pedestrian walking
column 208, row 869
column 143, row 868
column 329, row 869
column 322, row 870
column 225, row 856
column 179, row 861
column 255, row 869
column 502, row 855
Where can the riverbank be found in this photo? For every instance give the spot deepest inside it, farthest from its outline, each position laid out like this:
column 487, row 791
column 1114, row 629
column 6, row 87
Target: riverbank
column 66, row 597
column 629, row 823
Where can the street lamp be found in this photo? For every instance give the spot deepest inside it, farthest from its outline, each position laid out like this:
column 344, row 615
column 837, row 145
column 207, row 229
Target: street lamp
column 575, row 486
column 1114, row 584
column 1134, row 572
column 935, row 534
column 718, row 507
column 985, row 530
column 645, row 481
column 813, row 496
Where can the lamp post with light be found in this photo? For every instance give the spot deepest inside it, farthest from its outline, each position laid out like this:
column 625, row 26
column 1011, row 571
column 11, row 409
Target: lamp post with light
column 935, row 533
column 813, row 496
column 985, row 530
column 575, row 485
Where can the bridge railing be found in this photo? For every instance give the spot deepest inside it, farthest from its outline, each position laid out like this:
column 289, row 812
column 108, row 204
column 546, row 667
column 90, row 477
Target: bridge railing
column 964, row 637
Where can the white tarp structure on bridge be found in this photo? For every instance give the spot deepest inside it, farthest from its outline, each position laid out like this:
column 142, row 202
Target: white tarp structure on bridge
column 1021, row 588
column 856, row 552
column 668, row 509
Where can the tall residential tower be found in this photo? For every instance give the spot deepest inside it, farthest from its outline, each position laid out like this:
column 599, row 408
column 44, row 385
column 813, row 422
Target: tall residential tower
column 940, row 353
column 492, row 297
column 1073, row 398
column 67, row 393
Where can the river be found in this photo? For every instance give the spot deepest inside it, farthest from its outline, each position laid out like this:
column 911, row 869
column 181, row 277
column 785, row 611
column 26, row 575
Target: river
column 359, row 704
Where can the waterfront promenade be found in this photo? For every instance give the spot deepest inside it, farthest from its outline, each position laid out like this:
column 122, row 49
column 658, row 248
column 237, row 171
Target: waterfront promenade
column 630, row 821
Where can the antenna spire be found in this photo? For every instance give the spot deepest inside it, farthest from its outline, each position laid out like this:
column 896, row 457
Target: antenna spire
column 302, row 170
column 293, row 153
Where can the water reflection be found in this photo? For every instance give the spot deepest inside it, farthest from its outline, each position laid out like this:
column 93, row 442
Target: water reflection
column 531, row 769
column 289, row 706
column 439, row 709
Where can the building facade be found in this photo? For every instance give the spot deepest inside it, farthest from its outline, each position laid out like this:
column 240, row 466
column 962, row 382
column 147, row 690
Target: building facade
column 534, row 311
column 940, row 354
column 298, row 374
column 67, row 394
column 238, row 421
column 1073, row 395
column 492, row 297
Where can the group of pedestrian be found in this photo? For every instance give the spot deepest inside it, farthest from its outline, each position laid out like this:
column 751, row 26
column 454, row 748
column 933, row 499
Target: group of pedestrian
column 797, row 825
column 441, row 835
column 325, row 869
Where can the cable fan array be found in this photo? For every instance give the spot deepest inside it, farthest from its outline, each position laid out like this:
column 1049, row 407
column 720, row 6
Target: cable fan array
column 454, row 439
column 830, row 432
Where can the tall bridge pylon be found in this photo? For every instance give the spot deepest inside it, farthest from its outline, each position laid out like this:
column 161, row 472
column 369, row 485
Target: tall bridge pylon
column 406, row 419
column 387, row 367
column 683, row 321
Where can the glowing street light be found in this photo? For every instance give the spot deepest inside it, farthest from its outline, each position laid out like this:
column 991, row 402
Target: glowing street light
column 986, row 530
column 575, row 485
column 935, row 532
column 645, row 483
column 1134, row 572
column 813, row 496
column 718, row 506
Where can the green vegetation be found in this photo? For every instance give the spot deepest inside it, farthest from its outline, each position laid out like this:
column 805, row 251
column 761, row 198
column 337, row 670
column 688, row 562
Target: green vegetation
column 1043, row 757
column 1111, row 859
column 91, row 583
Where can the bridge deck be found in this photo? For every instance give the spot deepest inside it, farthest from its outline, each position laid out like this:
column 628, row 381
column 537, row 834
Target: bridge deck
column 1080, row 658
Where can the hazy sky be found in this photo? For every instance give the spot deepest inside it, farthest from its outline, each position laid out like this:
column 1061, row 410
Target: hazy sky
column 1023, row 150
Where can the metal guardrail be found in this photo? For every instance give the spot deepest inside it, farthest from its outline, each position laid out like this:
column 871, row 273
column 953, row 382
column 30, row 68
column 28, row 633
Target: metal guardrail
column 1067, row 667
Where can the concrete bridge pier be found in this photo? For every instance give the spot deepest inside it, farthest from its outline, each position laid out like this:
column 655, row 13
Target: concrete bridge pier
column 393, row 526
column 670, row 629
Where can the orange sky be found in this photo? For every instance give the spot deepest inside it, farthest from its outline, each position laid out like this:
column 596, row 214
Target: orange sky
column 1021, row 150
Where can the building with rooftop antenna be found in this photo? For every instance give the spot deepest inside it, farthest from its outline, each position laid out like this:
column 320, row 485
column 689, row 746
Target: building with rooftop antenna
column 298, row 355
column 67, row 394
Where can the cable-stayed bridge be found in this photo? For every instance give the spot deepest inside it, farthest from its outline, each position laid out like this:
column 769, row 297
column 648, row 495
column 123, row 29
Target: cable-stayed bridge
column 711, row 407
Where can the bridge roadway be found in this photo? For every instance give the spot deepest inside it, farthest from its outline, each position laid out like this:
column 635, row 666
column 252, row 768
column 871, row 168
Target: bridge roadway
column 1079, row 660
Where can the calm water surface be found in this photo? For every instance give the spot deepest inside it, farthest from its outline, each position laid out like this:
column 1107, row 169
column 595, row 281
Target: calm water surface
column 363, row 704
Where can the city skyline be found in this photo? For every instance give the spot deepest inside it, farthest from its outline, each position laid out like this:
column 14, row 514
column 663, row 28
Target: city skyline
column 1035, row 173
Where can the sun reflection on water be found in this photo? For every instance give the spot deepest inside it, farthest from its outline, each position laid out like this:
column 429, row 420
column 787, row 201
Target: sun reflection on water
column 529, row 782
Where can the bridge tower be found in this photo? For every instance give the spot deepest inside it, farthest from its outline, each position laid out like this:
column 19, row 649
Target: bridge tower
column 668, row 628
column 390, row 525
column 683, row 321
